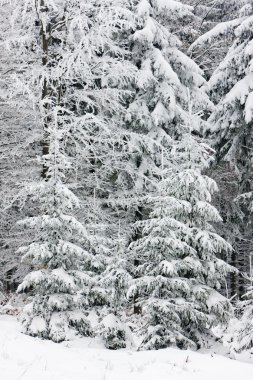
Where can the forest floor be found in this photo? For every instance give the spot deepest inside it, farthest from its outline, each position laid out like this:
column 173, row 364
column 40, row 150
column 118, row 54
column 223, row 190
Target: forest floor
column 26, row 358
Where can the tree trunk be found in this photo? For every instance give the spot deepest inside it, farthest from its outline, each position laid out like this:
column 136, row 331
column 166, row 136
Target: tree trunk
column 44, row 42
column 136, row 236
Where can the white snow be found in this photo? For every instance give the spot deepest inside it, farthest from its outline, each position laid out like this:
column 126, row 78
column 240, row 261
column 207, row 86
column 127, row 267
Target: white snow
column 26, row 358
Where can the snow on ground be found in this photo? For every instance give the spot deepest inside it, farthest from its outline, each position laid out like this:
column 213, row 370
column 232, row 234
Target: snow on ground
column 26, row 358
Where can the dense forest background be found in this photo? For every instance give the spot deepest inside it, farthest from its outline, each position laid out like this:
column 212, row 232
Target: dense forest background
column 117, row 120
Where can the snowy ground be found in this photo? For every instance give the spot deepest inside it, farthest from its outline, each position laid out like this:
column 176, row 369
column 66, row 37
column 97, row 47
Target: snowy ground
column 26, row 358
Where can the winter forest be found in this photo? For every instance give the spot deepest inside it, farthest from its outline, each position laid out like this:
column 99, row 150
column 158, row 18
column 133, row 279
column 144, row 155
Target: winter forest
column 126, row 171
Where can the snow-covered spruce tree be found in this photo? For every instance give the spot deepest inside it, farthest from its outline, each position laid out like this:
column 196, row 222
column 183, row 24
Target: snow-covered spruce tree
column 70, row 74
column 230, row 87
column 159, row 108
column 164, row 78
column 179, row 273
column 231, row 90
column 61, row 278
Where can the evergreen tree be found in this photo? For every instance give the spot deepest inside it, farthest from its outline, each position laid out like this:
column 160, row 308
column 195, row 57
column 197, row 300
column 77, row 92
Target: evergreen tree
column 159, row 95
column 168, row 81
column 159, row 108
column 178, row 272
column 74, row 79
column 165, row 77
column 62, row 280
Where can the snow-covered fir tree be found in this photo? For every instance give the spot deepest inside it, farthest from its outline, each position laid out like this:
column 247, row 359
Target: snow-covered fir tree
column 178, row 270
column 165, row 77
column 230, row 86
column 73, row 77
column 61, row 253
column 179, row 274
column 159, row 108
